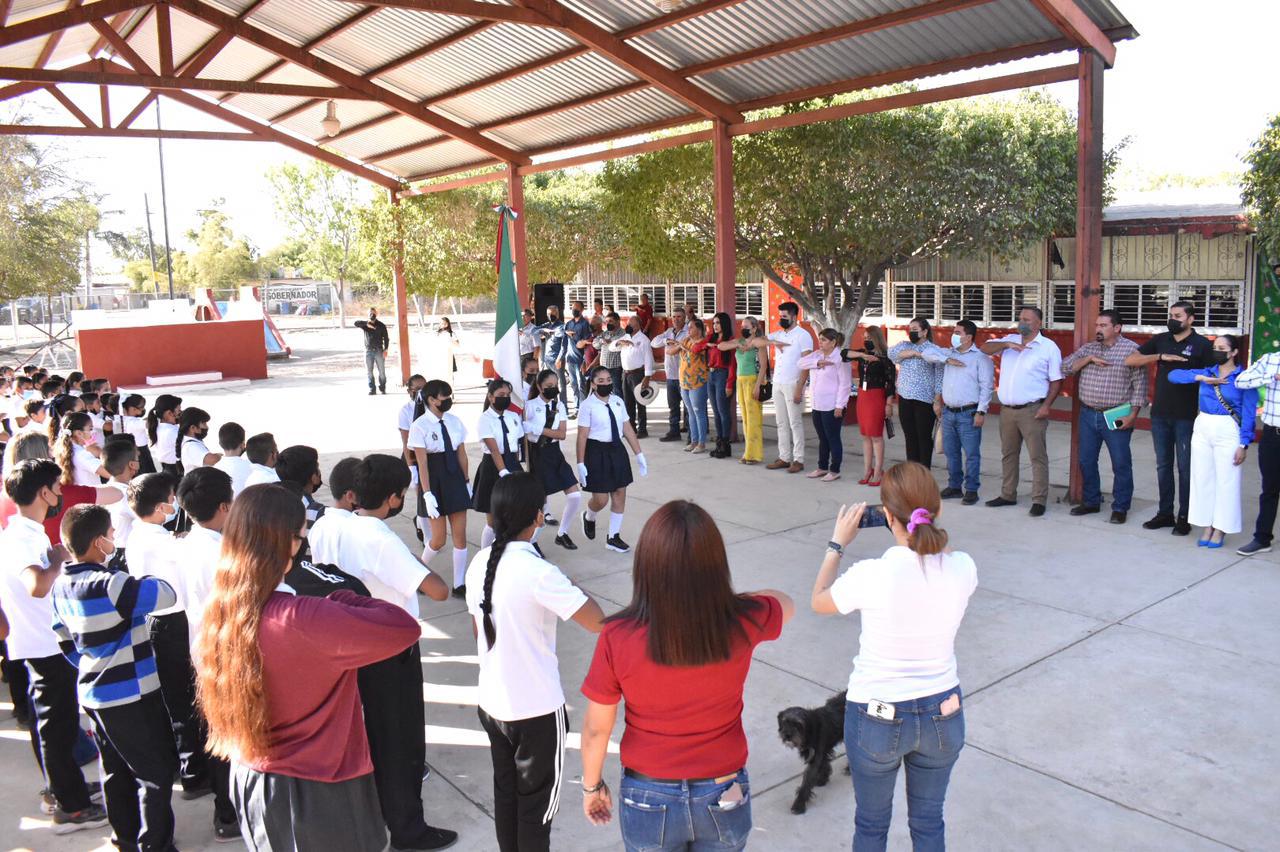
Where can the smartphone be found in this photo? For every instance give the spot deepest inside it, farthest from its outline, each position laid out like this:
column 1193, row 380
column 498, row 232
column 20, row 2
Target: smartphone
column 873, row 516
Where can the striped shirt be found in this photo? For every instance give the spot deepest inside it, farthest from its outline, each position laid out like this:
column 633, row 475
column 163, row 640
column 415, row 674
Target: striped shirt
column 1262, row 373
column 100, row 616
column 1115, row 384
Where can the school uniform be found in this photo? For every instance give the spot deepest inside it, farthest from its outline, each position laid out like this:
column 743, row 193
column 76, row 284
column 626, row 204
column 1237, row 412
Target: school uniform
column 192, row 454
column 506, row 430
column 165, row 449
column 96, row 420
column 238, row 468
column 325, row 536
column 122, row 518
column 136, row 427
column 546, row 456
column 261, row 475
column 608, row 465
column 84, row 467
column 521, row 702
column 439, row 439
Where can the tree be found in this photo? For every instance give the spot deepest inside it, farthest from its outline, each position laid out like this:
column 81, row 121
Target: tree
column 1261, row 190
column 322, row 208
column 838, row 203
column 221, row 261
column 137, row 252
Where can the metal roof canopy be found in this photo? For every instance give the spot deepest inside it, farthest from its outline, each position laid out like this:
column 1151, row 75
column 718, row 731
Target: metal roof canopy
column 443, row 87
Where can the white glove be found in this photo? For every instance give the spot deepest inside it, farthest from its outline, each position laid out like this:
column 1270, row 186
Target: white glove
column 642, row 464
column 433, row 505
column 503, row 472
column 582, row 474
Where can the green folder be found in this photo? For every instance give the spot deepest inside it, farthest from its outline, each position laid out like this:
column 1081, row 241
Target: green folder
column 1113, row 416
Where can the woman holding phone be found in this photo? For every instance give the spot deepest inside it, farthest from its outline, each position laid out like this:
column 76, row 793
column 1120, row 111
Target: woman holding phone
column 904, row 692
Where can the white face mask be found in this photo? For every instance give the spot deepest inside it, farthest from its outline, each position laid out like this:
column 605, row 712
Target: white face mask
column 171, row 515
column 108, row 553
column 956, row 340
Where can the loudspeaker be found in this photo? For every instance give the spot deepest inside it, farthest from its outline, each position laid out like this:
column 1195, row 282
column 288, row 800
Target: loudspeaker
column 545, row 296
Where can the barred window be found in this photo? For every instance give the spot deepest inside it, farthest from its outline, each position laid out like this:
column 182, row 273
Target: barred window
column 1140, row 302
column 914, row 300
column 657, row 298
column 1007, row 298
column 963, row 301
column 749, row 300
column 1218, row 303
column 1062, row 303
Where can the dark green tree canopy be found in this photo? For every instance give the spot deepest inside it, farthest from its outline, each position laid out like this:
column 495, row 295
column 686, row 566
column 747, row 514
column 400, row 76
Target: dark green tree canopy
column 1262, row 188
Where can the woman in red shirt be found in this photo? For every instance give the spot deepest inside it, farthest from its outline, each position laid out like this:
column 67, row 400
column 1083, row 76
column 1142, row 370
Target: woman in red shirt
column 723, row 382
column 277, row 680
column 678, row 656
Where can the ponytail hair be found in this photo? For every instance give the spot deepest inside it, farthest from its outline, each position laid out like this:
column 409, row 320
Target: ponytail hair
column 64, row 445
column 493, row 387
column 165, row 403
column 58, row 408
column 190, row 417
column 515, row 504
column 911, row 495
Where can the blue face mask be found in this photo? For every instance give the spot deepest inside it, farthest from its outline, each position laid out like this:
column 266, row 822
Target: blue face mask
column 956, row 340
column 170, row 516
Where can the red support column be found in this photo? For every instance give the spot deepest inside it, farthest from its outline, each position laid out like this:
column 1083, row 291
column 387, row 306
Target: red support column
column 1089, row 177
column 519, row 250
column 402, row 297
column 726, row 250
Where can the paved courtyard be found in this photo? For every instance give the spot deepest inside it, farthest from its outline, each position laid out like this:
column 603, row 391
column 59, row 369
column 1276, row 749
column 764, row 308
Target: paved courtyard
column 1104, row 666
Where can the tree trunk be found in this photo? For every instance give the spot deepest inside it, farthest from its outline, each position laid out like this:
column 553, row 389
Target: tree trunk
column 422, row 317
column 339, row 289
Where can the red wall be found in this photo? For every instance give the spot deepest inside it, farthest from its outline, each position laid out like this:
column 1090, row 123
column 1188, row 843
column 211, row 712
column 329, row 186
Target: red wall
column 126, row 356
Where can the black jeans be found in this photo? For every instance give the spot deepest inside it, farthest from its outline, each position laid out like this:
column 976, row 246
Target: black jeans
column 636, row 413
column 917, row 430
column 394, row 720
column 138, row 765
column 528, row 774
column 615, row 373
column 15, row 673
column 1269, row 465
column 56, row 727
column 673, row 407
column 169, row 643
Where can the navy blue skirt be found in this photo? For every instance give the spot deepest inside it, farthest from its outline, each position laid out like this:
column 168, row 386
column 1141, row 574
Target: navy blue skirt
column 487, row 477
column 608, row 467
column 547, row 462
column 450, row 488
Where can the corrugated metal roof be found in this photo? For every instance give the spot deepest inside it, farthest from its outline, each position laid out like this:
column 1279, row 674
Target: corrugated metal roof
column 447, row 155
column 630, row 110
column 300, row 21
column 350, row 113
column 383, row 137
column 390, row 33
column 189, row 35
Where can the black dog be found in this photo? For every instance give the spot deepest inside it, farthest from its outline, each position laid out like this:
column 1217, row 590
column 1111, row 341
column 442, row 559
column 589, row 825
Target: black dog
column 814, row 732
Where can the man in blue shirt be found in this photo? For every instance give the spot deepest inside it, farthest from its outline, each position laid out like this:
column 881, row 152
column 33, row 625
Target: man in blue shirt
column 553, row 342
column 576, row 329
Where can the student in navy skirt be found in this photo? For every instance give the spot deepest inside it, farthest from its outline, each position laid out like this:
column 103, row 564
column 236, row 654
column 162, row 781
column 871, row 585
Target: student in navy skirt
column 546, row 423
column 500, row 431
column 603, row 464
column 438, row 442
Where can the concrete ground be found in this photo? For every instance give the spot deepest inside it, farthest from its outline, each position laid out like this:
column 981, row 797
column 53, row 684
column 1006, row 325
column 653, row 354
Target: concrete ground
column 1102, row 664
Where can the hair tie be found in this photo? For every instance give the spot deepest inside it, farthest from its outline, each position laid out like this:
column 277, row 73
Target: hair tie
column 919, row 518
column 486, row 607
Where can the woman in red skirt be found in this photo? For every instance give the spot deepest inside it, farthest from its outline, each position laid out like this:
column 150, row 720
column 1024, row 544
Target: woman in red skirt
column 875, row 390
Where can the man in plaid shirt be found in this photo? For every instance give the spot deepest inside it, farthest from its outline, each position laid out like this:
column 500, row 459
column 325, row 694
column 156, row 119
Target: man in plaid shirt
column 1103, row 382
column 1265, row 372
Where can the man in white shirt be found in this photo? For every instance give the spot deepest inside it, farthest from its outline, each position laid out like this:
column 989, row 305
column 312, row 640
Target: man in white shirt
column 637, row 371
column 788, row 389
column 678, row 330
column 262, row 453
column 373, row 553
column 28, row 567
column 1030, row 375
column 233, row 463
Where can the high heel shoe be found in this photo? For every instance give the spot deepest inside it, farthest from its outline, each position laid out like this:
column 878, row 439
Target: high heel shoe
column 866, row 477
column 875, row 483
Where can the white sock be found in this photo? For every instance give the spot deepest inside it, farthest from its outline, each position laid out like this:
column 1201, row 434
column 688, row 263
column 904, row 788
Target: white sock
column 459, row 566
column 424, row 524
column 427, row 553
column 572, row 503
column 546, row 508
column 591, row 513
column 615, row 523
column 487, row 537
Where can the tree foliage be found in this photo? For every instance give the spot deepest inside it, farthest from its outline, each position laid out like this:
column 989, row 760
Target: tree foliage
column 838, row 203
column 221, row 260
column 136, row 250
column 1261, row 191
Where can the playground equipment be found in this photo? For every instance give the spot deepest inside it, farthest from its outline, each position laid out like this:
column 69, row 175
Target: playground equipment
column 208, row 309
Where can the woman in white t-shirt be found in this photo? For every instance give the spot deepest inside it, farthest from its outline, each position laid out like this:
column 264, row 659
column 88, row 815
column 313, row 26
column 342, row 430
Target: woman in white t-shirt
column 904, row 693
column 515, row 598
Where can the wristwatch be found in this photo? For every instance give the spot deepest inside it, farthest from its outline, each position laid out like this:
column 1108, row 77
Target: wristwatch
column 834, row 547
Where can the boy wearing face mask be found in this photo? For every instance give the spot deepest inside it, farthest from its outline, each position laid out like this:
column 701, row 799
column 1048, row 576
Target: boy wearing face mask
column 96, row 613
column 554, row 342
column 576, row 329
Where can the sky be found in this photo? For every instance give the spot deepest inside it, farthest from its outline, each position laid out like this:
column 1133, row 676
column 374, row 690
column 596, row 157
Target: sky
column 1189, row 95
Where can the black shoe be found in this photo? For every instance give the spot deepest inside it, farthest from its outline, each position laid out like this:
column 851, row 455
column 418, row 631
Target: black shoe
column 1159, row 522
column 432, row 838
column 1181, row 527
column 1037, row 509
column 382, row 388
column 642, row 433
column 670, row 436
column 1082, row 509
column 1253, row 547
column 970, row 497
column 1118, row 517
column 372, row 392
column 948, row 493
column 198, row 791
column 617, row 545
column 225, row 832
column 588, row 527
column 996, row 502
column 460, row 592
column 549, row 519
column 566, row 542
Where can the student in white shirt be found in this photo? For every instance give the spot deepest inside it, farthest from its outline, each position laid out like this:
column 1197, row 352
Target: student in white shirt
column 262, row 453
column 438, row 442
column 162, row 430
column 325, row 535
column 93, row 408
column 29, row 564
column 904, row 692
column 546, row 425
column 76, row 453
column 132, row 421
column 501, row 432
column 374, row 554
column 193, row 428
column 404, row 421
column 233, row 463
column 205, row 495
column 515, row 598
column 120, row 460
column 152, row 553
column 603, row 465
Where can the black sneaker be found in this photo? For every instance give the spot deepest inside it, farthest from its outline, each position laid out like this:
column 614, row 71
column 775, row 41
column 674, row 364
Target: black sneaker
column 382, row 388
column 669, row 437
column 970, row 497
column 225, row 832
column 460, row 592
column 1253, row 547
column 1037, row 509
column 948, row 493
column 1083, row 509
column 566, row 542
column 1159, row 522
column 94, row 816
column 372, row 392
column 588, row 527
column 432, row 838
column 617, row 545
column 1181, row 527
column 995, row 502
column 642, row 433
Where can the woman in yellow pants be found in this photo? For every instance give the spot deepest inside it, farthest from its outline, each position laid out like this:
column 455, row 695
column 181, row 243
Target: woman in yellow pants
column 750, row 358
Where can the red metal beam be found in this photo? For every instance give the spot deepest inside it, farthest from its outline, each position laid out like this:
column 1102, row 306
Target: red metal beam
column 402, row 296
column 428, row 189
column 685, row 13
column 465, row 9
column 618, row 153
column 104, row 104
column 123, row 49
column 164, row 39
column 64, row 20
column 52, row 42
column 342, row 77
column 641, row 64
column 726, row 233
column 70, row 106
column 19, row 89
column 355, row 128
column 136, row 111
column 207, row 53
column 116, row 21
column 1073, row 23
column 5, row 5
column 196, row 84
column 121, row 133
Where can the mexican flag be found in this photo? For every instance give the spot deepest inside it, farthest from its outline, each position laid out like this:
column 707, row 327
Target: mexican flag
column 506, row 334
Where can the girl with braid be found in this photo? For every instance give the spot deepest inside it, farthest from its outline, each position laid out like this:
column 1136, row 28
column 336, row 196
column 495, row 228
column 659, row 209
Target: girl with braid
column 514, row 597
column 546, row 423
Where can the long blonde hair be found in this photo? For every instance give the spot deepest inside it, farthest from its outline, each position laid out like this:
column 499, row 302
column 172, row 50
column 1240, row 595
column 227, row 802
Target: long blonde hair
column 64, row 445
column 26, row 445
column 909, row 486
column 257, row 546
column 876, row 335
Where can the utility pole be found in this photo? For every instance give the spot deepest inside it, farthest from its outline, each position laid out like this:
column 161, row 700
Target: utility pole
column 151, row 245
column 164, row 205
column 88, row 270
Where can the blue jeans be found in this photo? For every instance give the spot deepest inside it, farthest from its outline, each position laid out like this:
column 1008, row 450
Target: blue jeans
column 719, row 402
column 573, row 370
column 560, row 375
column 1172, row 439
column 695, row 403
column 830, row 446
column 928, row 743
column 375, row 360
column 959, row 433
column 657, row 817
column 1093, row 434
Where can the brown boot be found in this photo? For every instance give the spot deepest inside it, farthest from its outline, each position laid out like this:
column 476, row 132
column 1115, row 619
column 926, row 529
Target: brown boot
column 777, row 464
column 796, row 467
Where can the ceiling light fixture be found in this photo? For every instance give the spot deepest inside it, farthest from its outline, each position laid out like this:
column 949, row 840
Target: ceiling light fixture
column 331, row 125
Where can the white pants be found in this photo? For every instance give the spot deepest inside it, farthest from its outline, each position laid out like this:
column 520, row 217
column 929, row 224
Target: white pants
column 1215, row 479
column 789, row 416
